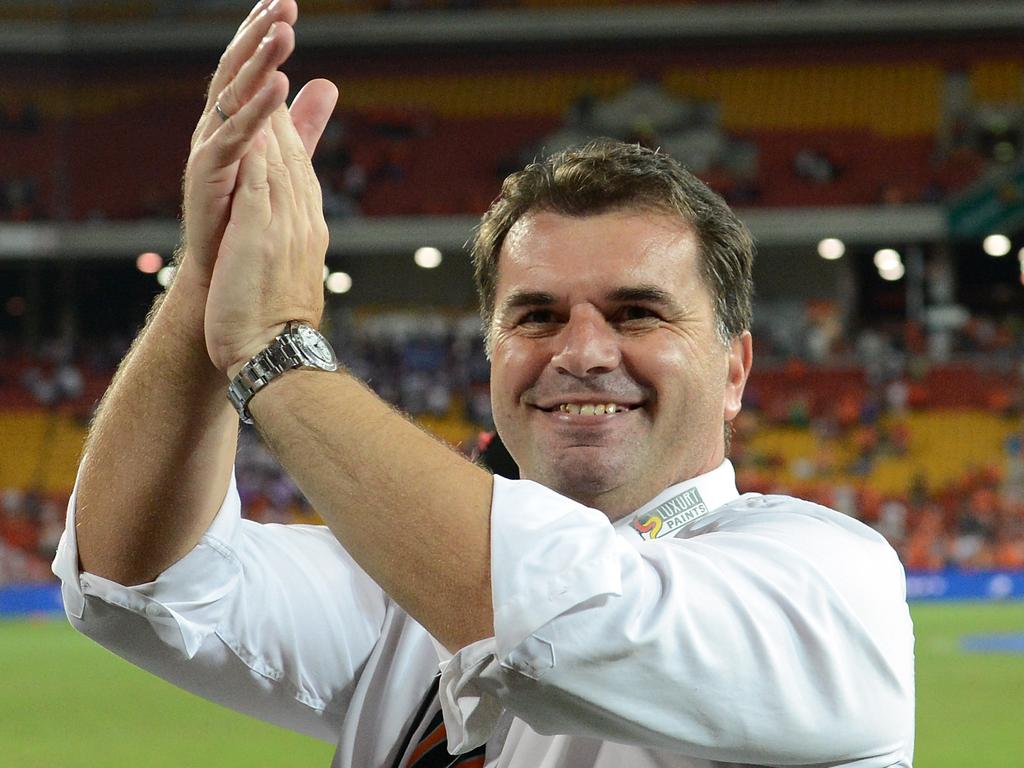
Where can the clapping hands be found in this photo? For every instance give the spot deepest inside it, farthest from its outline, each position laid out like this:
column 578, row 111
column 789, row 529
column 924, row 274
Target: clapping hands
column 254, row 232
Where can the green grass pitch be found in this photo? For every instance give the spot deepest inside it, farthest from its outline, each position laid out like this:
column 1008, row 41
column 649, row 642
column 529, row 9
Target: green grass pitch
column 66, row 702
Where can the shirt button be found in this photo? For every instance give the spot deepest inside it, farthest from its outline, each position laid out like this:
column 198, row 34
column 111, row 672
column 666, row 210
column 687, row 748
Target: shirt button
column 153, row 610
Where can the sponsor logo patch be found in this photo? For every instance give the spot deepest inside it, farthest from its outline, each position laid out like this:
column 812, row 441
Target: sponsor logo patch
column 669, row 516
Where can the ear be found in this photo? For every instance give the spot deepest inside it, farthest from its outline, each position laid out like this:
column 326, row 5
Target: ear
column 740, row 358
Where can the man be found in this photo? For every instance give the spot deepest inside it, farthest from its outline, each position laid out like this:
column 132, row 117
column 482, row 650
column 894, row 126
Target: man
column 622, row 605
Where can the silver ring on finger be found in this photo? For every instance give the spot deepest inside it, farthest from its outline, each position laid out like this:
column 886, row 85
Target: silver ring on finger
column 220, row 112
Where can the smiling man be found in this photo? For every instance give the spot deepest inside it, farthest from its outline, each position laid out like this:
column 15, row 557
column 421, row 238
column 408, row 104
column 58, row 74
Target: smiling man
column 621, row 605
column 606, row 348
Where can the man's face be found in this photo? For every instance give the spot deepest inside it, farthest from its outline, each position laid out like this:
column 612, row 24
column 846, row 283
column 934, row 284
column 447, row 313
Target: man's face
column 610, row 310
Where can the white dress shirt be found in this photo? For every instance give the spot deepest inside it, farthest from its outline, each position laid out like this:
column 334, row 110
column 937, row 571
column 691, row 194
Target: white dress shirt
column 707, row 629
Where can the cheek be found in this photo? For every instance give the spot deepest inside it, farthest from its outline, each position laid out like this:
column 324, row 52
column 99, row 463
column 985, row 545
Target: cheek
column 515, row 366
column 681, row 377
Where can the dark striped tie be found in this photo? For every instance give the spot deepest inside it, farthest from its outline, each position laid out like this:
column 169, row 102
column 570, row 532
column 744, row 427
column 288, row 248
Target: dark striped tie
column 432, row 743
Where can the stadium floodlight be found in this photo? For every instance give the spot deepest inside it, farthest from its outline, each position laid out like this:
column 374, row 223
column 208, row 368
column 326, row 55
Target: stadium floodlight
column 327, row 271
column 338, row 282
column 1020, row 257
column 149, row 263
column 996, row 245
column 887, row 259
column 165, row 275
column 427, row 257
column 892, row 272
column 831, row 248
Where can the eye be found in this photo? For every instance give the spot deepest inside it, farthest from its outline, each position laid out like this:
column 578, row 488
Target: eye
column 537, row 317
column 636, row 312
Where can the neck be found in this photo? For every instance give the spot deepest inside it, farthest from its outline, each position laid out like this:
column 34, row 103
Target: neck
column 623, row 500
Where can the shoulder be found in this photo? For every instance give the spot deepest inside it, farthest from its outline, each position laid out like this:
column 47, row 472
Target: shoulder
column 798, row 536
column 786, row 514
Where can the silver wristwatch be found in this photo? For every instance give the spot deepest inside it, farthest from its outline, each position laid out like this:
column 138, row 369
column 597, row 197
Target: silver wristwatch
column 299, row 346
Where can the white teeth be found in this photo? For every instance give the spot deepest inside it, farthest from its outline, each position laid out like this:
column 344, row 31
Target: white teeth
column 592, row 409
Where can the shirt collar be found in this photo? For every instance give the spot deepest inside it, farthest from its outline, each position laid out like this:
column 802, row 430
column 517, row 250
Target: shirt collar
column 679, row 505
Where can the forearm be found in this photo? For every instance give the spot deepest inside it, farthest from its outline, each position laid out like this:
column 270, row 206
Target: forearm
column 412, row 512
column 158, row 459
column 159, row 454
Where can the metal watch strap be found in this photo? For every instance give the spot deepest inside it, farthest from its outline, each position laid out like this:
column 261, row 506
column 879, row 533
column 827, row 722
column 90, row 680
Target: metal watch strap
column 281, row 355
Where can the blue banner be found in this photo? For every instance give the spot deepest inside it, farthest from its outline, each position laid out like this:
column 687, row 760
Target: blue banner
column 965, row 585
column 22, row 599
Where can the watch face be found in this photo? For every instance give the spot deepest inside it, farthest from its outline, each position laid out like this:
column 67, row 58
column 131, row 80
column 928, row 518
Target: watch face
column 315, row 344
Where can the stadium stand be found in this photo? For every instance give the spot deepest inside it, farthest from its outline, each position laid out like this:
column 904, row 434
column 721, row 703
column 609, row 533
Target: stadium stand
column 856, row 406
column 930, row 455
column 834, row 132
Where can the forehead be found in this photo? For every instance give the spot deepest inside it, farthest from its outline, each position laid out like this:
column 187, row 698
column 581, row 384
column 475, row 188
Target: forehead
column 571, row 254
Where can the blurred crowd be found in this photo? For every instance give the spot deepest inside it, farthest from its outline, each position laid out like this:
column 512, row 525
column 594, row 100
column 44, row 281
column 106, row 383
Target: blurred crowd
column 851, row 415
column 973, row 519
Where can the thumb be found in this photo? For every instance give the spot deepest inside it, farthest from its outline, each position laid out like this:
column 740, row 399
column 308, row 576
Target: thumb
column 311, row 109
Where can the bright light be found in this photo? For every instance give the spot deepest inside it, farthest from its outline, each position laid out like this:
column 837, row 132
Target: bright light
column 996, row 245
column 338, row 282
column 326, row 273
column 165, row 275
column 831, row 248
column 892, row 273
column 149, row 263
column 427, row 257
column 886, row 259
column 1020, row 257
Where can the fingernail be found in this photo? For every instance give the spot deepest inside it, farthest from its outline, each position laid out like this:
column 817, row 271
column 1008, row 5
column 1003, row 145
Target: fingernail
column 270, row 32
column 274, row 5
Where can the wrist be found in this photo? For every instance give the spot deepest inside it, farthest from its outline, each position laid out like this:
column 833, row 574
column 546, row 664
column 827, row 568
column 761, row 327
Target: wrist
column 297, row 345
column 259, row 343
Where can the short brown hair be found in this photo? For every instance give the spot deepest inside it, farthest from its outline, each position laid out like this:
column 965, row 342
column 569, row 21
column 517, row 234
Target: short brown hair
column 606, row 175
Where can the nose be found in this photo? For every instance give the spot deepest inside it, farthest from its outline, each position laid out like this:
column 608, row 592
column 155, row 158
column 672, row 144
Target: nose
column 587, row 344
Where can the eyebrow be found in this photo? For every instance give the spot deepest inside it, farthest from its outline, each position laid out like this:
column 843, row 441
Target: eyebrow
column 518, row 299
column 648, row 294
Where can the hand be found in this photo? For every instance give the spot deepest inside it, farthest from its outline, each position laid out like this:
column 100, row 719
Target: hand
column 248, row 87
column 270, row 266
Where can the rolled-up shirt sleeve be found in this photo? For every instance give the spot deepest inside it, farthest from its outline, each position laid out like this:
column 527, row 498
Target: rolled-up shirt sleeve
column 777, row 633
column 272, row 620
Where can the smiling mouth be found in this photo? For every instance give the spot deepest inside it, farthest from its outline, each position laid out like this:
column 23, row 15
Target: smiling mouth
column 590, row 409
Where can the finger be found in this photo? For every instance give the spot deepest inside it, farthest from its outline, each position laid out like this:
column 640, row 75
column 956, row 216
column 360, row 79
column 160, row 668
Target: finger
column 232, row 138
column 305, row 185
column 307, row 197
column 248, row 37
column 282, row 197
column 311, row 109
column 252, row 190
column 273, row 50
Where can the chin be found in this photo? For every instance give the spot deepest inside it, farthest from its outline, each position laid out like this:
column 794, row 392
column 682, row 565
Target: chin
column 582, row 483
